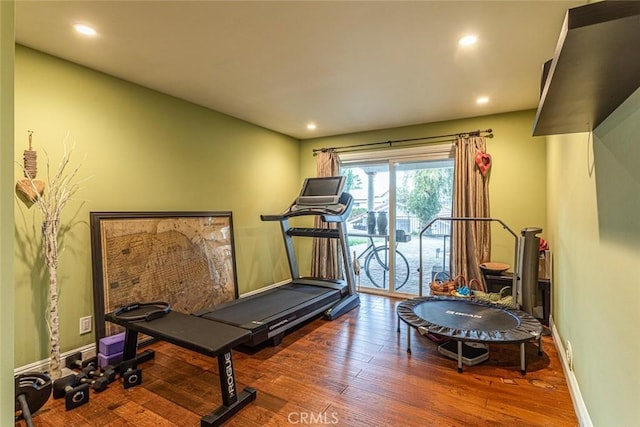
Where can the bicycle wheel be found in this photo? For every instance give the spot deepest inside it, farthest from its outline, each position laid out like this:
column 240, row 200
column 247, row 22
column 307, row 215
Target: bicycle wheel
column 402, row 270
column 376, row 266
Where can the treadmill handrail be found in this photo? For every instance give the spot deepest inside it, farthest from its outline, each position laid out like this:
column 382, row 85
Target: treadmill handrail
column 327, row 213
column 306, row 212
column 327, row 216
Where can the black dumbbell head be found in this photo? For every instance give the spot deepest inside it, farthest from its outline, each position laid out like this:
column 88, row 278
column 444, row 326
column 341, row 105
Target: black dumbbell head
column 99, row 384
column 76, row 396
column 132, row 377
column 109, row 373
column 60, row 385
column 89, row 371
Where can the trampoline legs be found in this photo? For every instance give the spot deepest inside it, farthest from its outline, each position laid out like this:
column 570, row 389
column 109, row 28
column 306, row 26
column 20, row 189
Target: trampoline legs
column 523, row 363
column 459, row 357
column 540, row 345
column 408, row 335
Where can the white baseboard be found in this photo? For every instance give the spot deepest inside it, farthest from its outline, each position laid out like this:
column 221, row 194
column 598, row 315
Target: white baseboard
column 43, row 365
column 578, row 403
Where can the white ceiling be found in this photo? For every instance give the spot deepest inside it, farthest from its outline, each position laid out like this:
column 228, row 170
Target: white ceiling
column 346, row 65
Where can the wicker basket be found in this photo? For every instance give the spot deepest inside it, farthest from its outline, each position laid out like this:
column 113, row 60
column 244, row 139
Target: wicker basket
column 445, row 287
column 474, row 286
column 503, row 298
column 477, row 285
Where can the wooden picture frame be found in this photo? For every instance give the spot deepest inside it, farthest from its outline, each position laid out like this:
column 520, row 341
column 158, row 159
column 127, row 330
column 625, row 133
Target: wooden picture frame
column 184, row 258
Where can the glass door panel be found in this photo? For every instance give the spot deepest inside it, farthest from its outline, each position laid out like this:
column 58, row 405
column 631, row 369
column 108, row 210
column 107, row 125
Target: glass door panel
column 423, row 191
column 367, row 226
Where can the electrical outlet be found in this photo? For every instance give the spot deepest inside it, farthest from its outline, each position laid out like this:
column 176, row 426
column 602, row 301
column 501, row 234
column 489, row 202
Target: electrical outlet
column 85, row 325
column 569, row 353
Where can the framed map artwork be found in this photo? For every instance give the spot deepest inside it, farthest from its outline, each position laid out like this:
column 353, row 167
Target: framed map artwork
column 184, row 258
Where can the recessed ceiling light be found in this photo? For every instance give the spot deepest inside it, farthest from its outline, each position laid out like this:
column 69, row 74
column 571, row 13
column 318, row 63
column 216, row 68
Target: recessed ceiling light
column 84, row 29
column 311, row 126
column 482, row 100
column 468, row 40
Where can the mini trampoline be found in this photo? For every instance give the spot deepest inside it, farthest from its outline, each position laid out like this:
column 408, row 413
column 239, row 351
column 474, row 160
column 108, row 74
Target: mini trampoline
column 468, row 320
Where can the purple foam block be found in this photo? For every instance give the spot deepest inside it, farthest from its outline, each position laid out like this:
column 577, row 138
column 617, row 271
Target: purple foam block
column 111, row 345
column 113, row 359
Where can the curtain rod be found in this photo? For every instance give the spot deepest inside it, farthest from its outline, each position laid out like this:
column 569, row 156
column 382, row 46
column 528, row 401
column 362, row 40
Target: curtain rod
column 400, row 141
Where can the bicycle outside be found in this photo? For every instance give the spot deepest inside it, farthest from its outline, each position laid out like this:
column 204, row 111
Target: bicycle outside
column 376, row 260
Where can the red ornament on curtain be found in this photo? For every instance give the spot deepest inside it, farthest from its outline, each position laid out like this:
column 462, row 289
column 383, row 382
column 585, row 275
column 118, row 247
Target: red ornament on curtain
column 483, row 160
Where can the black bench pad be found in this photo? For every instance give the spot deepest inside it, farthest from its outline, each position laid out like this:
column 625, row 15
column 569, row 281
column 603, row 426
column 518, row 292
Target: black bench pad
column 191, row 332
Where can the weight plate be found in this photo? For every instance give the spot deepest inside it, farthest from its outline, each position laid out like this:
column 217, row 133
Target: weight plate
column 36, row 387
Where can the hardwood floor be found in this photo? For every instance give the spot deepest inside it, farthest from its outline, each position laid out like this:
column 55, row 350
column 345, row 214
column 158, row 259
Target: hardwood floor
column 353, row 371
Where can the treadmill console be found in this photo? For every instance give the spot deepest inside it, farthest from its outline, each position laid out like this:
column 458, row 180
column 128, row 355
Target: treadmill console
column 321, row 196
column 321, row 191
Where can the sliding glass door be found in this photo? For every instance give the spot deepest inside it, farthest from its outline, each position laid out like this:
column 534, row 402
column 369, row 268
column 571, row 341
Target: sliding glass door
column 394, row 198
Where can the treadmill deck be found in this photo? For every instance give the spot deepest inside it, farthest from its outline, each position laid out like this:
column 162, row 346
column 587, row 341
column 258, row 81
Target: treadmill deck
column 269, row 313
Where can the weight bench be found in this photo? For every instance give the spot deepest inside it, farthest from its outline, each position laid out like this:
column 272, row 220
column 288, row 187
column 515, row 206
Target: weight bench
column 203, row 336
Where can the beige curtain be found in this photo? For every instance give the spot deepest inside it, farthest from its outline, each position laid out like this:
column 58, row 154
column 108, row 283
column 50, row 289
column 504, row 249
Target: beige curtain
column 325, row 263
column 471, row 239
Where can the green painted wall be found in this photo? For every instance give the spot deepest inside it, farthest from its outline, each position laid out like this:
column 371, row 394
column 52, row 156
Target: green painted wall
column 517, row 183
column 594, row 221
column 7, row 42
column 145, row 151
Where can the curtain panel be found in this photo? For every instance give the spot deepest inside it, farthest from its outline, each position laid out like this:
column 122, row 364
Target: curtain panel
column 471, row 239
column 324, row 256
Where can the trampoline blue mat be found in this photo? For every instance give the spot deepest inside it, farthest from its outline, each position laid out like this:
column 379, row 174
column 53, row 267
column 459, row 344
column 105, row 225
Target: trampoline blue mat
column 469, row 320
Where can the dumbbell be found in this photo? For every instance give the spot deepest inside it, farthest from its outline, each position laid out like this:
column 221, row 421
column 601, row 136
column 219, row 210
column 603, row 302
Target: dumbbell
column 98, row 384
column 75, row 394
column 130, row 373
column 107, row 372
column 74, row 361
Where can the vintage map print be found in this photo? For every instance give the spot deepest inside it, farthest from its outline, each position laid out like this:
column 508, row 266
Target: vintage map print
column 186, row 259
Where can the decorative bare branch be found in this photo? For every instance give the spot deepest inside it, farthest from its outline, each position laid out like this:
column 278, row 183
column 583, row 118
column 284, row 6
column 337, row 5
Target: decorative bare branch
column 51, row 202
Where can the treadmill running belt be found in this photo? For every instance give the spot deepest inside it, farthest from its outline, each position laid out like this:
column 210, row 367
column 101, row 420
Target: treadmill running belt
column 270, row 303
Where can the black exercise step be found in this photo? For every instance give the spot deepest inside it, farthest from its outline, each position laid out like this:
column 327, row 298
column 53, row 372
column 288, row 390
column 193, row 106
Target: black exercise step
column 328, row 233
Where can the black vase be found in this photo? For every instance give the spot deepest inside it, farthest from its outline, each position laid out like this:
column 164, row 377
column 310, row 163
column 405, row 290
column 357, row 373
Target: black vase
column 382, row 223
column 371, row 222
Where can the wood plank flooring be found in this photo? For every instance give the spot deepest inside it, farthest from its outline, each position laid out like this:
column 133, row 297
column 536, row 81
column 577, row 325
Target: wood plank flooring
column 353, row 371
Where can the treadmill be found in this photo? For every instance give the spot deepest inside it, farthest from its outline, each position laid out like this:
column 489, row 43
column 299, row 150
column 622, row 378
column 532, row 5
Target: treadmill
column 269, row 314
